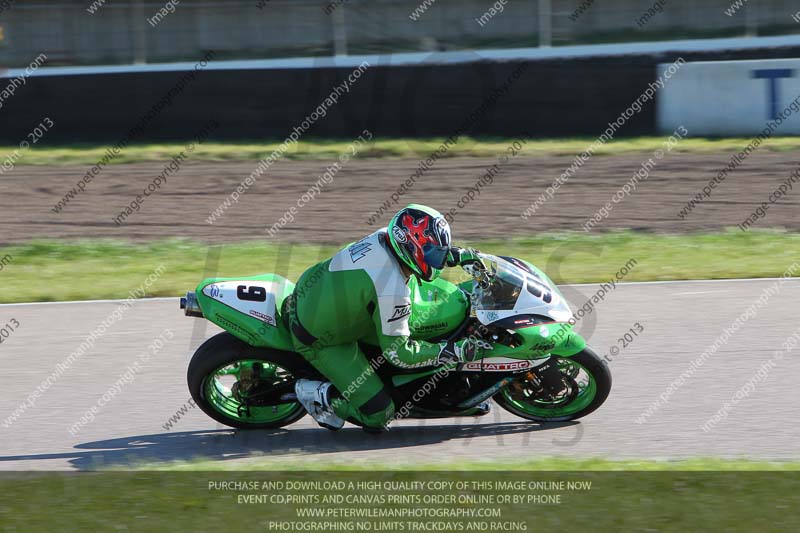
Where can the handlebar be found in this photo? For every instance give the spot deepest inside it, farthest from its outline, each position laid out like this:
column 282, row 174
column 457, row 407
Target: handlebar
column 479, row 273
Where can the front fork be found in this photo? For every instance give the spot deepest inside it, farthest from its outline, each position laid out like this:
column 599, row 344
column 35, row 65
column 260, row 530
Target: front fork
column 485, row 395
column 546, row 375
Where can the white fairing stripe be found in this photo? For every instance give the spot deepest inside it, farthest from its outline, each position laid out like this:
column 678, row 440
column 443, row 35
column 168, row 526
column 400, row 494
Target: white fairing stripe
column 227, row 292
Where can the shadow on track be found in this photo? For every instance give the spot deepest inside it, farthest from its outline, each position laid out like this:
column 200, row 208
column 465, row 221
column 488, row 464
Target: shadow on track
column 227, row 444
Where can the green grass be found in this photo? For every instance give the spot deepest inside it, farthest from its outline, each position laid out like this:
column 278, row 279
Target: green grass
column 315, row 149
column 207, row 501
column 58, row 271
column 540, row 464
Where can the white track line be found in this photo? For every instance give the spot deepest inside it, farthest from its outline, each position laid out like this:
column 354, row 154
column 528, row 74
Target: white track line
column 161, row 298
column 674, row 281
column 629, row 283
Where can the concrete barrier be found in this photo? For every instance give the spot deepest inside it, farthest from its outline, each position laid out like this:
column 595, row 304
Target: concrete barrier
column 730, row 98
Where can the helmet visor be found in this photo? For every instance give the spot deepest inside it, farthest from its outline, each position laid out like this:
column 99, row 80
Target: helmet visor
column 435, row 256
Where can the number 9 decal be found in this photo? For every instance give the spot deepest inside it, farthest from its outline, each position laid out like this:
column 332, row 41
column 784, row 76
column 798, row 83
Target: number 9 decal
column 253, row 294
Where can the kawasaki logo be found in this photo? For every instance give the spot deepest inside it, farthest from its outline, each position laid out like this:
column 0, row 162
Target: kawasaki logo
column 431, row 327
column 543, row 346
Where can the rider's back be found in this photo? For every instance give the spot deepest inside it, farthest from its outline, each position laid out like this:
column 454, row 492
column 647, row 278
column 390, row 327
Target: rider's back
column 337, row 299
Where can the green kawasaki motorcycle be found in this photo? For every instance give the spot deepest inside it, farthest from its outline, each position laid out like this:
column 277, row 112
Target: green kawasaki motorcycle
column 537, row 368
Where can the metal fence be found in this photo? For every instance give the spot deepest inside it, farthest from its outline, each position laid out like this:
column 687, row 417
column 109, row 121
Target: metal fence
column 138, row 31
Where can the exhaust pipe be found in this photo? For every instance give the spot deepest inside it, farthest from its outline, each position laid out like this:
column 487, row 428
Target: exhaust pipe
column 190, row 305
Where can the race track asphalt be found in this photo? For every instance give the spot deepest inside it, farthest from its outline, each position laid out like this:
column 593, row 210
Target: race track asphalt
column 680, row 320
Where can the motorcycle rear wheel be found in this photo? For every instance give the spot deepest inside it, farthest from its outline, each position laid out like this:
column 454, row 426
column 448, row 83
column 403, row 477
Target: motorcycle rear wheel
column 224, row 358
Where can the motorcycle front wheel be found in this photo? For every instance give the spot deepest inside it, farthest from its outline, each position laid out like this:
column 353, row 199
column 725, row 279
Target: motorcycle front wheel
column 586, row 383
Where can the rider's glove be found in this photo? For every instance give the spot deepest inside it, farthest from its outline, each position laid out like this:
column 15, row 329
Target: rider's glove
column 462, row 256
column 451, row 352
column 460, row 351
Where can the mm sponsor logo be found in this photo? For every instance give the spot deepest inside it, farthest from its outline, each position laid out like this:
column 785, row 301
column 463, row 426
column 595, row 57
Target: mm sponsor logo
column 500, row 366
column 400, row 311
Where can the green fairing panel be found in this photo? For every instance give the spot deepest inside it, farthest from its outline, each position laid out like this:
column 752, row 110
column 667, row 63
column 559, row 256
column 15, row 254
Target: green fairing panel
column 402, row 379
column 248, row 328
column 572, row 344
column 561, row 337
column 437, row 307
column 543, row 339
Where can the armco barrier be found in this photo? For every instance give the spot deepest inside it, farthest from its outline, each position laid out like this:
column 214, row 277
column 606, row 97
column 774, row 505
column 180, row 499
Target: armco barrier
column 549, row 98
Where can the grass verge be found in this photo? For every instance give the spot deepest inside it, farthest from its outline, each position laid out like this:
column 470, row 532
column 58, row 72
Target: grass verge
column 540, row 464
column 511, row 500
column 313, row 149
column 82, row 270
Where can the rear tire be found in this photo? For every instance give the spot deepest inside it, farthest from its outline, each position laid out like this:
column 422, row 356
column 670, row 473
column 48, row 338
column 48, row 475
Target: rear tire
column 224, row 349
column 593, row 365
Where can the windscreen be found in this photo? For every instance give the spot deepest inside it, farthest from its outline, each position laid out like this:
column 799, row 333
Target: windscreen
column 504, row 289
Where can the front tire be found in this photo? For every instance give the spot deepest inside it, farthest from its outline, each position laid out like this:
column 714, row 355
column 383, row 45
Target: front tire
column 223, row 357
column 524, row 400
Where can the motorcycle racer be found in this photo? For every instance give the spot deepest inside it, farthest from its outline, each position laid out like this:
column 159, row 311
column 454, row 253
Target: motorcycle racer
column 362, row 294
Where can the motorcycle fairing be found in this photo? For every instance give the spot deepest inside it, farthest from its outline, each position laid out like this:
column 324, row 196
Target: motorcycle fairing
column 248, row 307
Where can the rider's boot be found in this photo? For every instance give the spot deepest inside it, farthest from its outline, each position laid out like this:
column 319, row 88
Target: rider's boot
column 316, row 398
